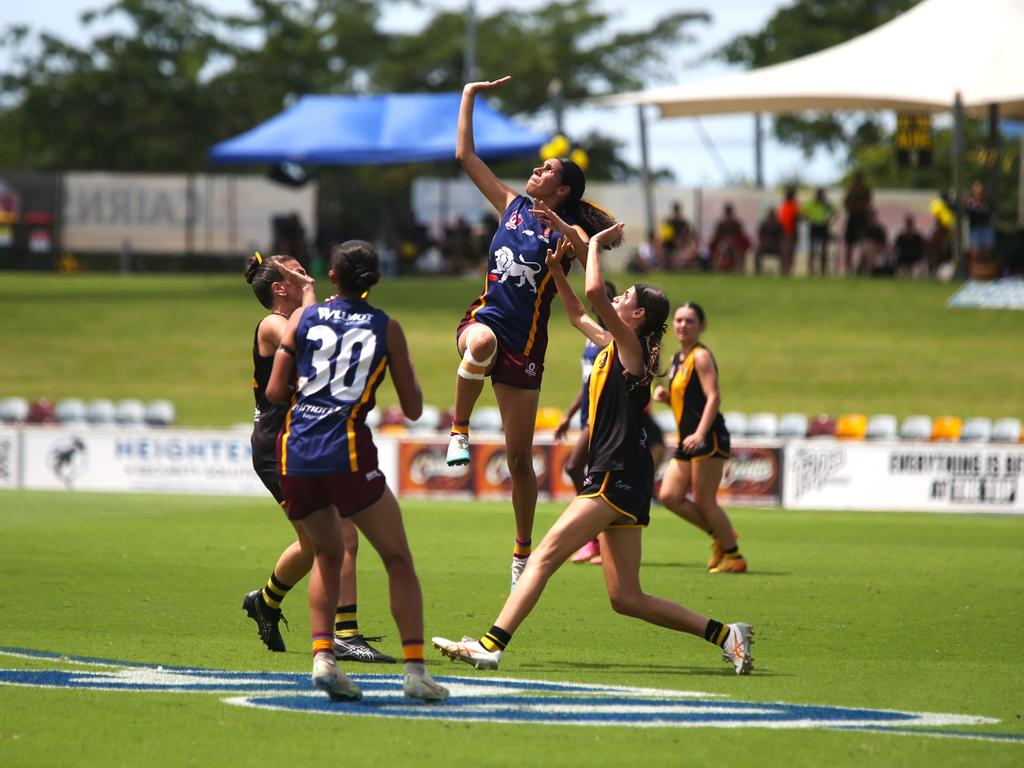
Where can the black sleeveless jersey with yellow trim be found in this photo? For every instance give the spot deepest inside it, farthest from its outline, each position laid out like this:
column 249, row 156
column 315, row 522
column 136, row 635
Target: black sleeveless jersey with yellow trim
column 686, row 395
column 617, row 438
column 268, row 417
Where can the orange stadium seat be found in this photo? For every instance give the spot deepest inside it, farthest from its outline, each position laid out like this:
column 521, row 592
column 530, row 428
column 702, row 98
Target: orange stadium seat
column 548, row 419
column 852, row 426
column 947, row 428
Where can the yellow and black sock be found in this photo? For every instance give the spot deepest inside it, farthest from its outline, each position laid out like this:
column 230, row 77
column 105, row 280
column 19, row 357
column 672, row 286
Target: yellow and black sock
column 523, row 548
column 716, row 632
column 345, row 624
column 496, row 639
column 275, row 591
column 733, row 553
column 460, row 427
column 323, row 643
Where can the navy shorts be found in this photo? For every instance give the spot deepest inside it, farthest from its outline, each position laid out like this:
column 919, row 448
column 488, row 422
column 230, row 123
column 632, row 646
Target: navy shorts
column 620, row 491
column 715, row 446
column 349, row 492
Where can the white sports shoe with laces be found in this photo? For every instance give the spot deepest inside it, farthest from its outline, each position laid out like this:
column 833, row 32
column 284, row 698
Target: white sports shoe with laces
column 458, row 450
column 333, row 681
column 736, row 650
column 423, row 687
column 469, row 651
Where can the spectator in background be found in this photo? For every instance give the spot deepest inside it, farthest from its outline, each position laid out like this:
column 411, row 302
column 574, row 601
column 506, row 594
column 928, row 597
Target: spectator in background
column 909, row 249
column 857, row 204
column 769, row 239
column 729, row 243
column 678, row 241
column 648, row 256
column 877, row 261
column 940, row 241
column 789, row 218
column 979, row 212
column 819, row 214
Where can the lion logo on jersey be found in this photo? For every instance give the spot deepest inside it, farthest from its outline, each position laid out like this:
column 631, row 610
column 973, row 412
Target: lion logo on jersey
column 505, row 264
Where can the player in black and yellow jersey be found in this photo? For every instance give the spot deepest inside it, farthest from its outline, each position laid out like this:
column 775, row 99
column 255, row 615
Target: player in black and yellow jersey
column 697, row 466
column 282, row 286
column 616, row 497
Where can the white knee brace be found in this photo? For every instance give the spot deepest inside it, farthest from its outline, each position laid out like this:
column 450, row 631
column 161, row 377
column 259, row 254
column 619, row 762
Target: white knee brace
column 468, row 359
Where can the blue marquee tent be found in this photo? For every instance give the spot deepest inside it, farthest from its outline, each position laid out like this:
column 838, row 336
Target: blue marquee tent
column 369, row 130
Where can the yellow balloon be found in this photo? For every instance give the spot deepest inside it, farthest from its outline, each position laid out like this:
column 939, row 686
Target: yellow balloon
column 546, row 152
column 559, row 145
column 580, row 157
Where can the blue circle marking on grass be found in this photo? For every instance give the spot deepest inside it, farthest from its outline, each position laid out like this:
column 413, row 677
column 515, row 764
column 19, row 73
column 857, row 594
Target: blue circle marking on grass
column 490, row 699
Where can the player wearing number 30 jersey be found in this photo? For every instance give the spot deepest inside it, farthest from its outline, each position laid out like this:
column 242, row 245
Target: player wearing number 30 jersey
column 340, row 359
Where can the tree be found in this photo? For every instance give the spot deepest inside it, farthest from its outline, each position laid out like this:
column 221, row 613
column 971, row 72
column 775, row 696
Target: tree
column 567, row 43
column 803, row 28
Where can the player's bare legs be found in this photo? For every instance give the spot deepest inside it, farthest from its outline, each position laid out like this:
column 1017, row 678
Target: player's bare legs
column 478, row 347
column 675, row 486
column 519, row 416
column 707, row 476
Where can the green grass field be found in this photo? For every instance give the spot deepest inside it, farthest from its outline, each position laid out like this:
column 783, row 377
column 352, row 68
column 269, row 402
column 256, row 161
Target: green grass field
column 912, row 612
column 812, row 346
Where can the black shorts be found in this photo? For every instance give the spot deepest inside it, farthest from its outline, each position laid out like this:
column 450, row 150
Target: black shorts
column 653, row 431
column 717, row 445
column 620, row 490
column 264, row 461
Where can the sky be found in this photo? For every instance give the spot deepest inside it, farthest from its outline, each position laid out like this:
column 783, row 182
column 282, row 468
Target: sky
column 675, row 143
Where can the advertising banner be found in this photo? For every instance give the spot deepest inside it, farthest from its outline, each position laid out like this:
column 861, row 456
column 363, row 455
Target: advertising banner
column 753, row 476
column 141, row 460
column 491, row 478
column 423, row 471
column 944, row 477
column 9, row 475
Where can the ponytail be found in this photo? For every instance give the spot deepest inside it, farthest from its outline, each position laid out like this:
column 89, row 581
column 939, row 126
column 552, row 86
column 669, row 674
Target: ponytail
column 655, row 306
column 261, row 274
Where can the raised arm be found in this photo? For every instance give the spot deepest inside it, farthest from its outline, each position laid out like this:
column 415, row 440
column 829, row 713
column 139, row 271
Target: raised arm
column 629, row 349
column 498, row 194
column 573, row 307
column 575, row 233
column 306, row 282
column 279, row 387
column 403, row 375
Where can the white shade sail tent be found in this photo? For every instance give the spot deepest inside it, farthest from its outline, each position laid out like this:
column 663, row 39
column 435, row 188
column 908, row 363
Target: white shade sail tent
column 918, row 61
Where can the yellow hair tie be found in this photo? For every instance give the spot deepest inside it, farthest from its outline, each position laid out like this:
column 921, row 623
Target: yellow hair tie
column 259, row 259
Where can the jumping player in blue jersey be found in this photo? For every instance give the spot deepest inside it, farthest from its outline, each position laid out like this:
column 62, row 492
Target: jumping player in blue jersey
column 331, row 359
column 616, row 496
column 282, row 286
column 504, row 332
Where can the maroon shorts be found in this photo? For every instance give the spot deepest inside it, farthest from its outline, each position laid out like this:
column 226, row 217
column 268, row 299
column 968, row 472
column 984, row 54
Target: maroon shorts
column 512, row 368
column 350, row 492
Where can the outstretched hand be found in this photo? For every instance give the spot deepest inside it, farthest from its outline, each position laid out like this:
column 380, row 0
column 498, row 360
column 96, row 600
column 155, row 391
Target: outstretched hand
column 554, row 258
column 549, row 218
column 607, row 236
column 296, row 278
column 486, row 85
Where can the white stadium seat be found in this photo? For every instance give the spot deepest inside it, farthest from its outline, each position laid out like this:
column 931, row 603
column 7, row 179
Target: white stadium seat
column 976, row 430
column 427, row 422
column 100, row 412
column 13, row 409
column 666, row 420
column 762, row 425
column 486, row 419
column 792, row 425
column 916, row 428
column 129, row 413
column 160, row 413
column 1006, row 431
column 70, row 410
column 736, row 423
column 883, row 426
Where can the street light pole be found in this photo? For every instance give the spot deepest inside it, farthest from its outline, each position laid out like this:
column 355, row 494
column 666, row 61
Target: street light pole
column 469, row 55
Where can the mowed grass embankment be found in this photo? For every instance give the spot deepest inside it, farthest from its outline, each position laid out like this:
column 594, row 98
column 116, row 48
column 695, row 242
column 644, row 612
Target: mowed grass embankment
column 911, row 612
column 812, row 345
